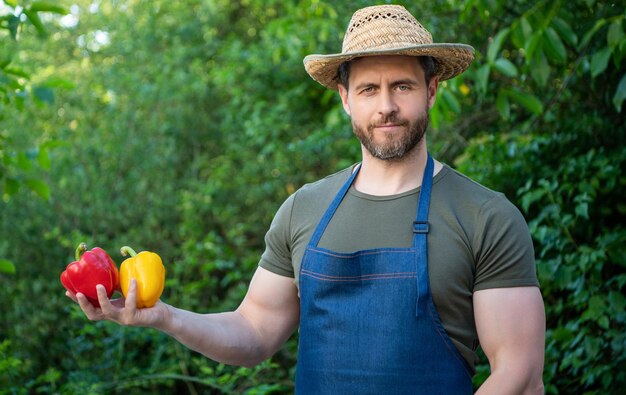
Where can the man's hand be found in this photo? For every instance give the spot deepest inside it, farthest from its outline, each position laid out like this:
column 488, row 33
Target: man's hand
column 122, row 310
column 265, row 319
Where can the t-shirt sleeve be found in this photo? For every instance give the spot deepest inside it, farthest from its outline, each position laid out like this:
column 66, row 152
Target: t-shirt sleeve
column 505, row 255
column 277, row 255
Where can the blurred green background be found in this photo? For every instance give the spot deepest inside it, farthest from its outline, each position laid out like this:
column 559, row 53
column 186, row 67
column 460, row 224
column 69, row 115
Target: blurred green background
column 180, row 126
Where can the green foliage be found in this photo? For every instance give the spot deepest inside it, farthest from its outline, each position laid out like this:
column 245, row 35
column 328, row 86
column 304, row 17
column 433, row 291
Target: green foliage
column 6, row 266
column 180, row 127
column 559, row 156
column 15, row 89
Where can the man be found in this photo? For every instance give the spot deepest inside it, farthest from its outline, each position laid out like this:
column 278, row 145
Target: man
column 393, row 269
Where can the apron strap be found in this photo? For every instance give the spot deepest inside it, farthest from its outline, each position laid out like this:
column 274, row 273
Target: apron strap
column 420, row 230
column 330, row 211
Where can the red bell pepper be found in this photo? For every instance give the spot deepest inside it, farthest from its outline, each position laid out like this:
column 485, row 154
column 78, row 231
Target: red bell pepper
column 91, row 268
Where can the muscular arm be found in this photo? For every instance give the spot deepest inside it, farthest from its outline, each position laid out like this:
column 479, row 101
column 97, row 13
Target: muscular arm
column 265, row 319
column 511, row 330
column 267, row 316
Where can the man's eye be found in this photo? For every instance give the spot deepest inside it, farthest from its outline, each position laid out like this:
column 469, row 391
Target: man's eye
column 403, row 87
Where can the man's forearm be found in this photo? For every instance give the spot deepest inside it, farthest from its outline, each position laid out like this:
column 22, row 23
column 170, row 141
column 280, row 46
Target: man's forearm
column 224, row 337
column 266, row 318
column 511, row 328
column 505, row 383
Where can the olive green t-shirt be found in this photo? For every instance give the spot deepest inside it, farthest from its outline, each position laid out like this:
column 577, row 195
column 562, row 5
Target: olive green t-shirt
column 477, row 240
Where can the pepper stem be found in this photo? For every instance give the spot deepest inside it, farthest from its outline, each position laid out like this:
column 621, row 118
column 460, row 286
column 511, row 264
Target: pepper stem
column 126, row 250
column 80, row 250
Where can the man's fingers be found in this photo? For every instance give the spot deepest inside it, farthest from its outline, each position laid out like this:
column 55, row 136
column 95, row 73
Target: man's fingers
column 71, row 296
column 91, row 312
column 105, row 304
column 122, row 311
column 131, row 298
column 83, row 302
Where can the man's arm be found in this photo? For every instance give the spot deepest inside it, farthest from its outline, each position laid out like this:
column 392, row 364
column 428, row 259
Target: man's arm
column 511, row 328
column 267, row 316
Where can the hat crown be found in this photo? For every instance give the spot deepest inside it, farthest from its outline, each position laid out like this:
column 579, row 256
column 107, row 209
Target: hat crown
column 388, row 30
column 383, row 28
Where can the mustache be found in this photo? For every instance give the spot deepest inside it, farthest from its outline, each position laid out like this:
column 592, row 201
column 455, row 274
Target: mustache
column 389, row 119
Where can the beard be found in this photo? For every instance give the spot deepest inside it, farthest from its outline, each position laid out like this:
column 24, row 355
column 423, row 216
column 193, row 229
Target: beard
column 394, row 147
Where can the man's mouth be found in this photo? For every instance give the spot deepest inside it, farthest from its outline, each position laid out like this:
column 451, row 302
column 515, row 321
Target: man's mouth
column 388, row 126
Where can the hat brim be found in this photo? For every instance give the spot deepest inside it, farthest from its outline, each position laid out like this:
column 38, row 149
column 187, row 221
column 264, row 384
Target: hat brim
column 452, row 60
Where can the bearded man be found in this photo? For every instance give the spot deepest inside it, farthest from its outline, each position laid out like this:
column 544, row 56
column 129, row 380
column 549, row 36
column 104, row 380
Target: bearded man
column 395, row 269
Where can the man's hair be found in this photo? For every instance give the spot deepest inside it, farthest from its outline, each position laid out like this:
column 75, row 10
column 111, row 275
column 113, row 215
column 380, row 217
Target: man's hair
column 428, row 64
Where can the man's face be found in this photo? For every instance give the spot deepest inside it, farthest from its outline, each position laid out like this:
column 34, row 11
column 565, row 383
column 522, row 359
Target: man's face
column 388, row 101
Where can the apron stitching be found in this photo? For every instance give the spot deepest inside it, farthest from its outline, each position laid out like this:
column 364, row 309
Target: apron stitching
column 446, row 341
column 363, row 275
column 348, row 255
column 355, row 279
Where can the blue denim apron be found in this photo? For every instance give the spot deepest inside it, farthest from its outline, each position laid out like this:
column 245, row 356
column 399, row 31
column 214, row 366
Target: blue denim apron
column 368, row 324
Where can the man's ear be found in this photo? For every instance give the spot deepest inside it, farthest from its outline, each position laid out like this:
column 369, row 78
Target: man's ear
column 432, row 91
column 343, row 92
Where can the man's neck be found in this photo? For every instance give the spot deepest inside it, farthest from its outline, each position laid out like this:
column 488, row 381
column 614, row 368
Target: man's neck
column 391, row 177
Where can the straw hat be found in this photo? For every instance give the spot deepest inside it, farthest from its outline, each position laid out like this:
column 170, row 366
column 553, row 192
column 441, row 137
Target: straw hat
column 388, row 30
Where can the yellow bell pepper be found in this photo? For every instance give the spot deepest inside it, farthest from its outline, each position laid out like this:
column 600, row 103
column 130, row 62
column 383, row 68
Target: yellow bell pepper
column 147, row 268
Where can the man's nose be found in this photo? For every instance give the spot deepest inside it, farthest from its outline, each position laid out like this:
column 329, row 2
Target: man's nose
column 387, row 104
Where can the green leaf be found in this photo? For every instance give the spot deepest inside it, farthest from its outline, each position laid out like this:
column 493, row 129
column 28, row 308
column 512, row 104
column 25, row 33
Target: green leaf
column 565, row 31
column 554, row 46
column 7, row 266
column 467, row 9
column 587, row 37
column 521, row 32
column 58, row 83
column 11, row 186
column 10, row 82
column 54, row 144
column 43, row 94
column 582, row 210
column 12, row 3
column 13, row 22
column 562, row 334
column 17, row 72
column 451, row 101
column 530, row 102
column 604, row 322
column 43, row 6
column 34, row 19
column 597, row 304
column 582, row 205
column 39, row 187
column 599, row 61
column 23, row 162
column 43, row 157
column 531, row 45
column 615, row 34
column 19, row 100
column 620, row 94
column 526, row 28
column 506, row 67
column 435, row 115
column 482, row 77
column 503, row 105
column 540, row 69
column 617, row 301
column 496, row 45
